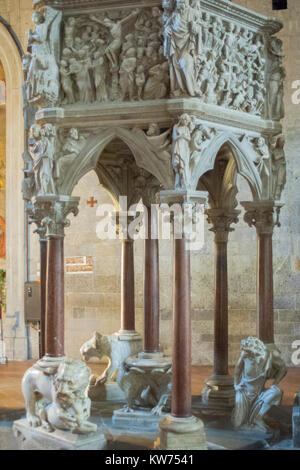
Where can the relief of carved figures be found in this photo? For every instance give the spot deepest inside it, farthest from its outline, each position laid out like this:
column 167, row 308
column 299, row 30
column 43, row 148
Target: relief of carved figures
column 220, row 62
column 49, row 156
column 257, row 364
column 42, row 83
column 115, row 55
column 275, row 78
column 190, row 139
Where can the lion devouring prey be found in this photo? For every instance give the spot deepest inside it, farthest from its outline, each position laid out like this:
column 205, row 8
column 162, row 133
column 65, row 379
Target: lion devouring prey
column 55, row 397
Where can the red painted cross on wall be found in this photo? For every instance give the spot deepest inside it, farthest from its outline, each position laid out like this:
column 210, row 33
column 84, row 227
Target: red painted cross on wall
column 92, row 202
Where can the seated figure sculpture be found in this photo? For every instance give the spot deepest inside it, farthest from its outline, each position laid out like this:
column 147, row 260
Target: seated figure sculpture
column 257, row 364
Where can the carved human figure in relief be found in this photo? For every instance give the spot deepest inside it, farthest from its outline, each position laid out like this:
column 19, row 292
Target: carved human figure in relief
column 181, row 152
column 66, row 83
column 263, row 158
column 278, row 165
column 127, row 74
column 100, row 74
column 43, row 73
column 71, row 148
column 275, row 78
column 115, row 29
column 181, row 45
column 257, row 364
column 42, row 150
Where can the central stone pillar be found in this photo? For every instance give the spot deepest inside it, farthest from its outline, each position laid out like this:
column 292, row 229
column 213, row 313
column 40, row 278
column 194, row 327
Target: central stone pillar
column 43, row 278
column 181, row 430
column 219, row 392
column 264, row 215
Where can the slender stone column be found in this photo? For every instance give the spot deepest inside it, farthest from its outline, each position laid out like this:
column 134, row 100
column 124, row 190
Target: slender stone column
column 53, row 212
column 55, row 297
column 151, row 287
column 43, row 274
column 181, row 430
column 264, row 215
column 181, row 365
column 127, row 331
column 127, row 287
column 219, row 390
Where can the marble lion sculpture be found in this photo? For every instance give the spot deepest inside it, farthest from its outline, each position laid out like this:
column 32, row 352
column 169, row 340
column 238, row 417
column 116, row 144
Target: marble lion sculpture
column 257, row 364
column 55, row 396
column 111, row 347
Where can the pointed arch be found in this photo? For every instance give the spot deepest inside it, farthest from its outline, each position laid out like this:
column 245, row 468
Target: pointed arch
column 243, row 160
column 143, row 153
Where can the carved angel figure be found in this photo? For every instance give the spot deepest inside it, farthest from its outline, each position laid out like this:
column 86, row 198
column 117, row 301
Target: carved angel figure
column 263, row 157
column 43, row 74
column 278, row 165
column 258, row 363
column 71, row 148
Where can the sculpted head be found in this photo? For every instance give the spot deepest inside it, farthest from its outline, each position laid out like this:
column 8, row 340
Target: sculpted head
column 74, row 133
column 184, row 120
column 253, row 347
column 35, row 131
column 72, row 379
column 71, row 21
column 92, row 348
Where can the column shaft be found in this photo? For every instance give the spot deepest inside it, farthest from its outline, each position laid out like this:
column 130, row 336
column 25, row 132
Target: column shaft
column 181, row 365
column 55, row 297
column 43, row 278
column 151, row 288
column 221, row 309
column 127, row 287
column 265, row 294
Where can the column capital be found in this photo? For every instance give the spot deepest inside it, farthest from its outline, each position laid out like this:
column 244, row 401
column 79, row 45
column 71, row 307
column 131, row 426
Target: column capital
column 263, row 215
column 182, row 197
column 221, row 219
column 50, row 214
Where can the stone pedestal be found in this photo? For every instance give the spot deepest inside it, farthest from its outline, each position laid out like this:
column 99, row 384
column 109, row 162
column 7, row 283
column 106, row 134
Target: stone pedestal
column 29, row 438
column 181, row 434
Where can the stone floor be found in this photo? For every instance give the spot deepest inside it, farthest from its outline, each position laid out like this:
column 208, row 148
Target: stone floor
column 220, row 434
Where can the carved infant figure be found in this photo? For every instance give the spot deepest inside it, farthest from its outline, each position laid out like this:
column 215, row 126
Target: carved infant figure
column 55, row 396
column 258, row 363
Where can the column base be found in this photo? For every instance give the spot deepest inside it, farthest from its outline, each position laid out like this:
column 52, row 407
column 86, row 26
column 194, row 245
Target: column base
column 181, row 434
column 219, row 393
column 129, row 335
column 29, row 438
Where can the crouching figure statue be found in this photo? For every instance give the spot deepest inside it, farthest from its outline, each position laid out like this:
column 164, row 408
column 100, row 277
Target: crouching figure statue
column 55, row 395
column 257, row 363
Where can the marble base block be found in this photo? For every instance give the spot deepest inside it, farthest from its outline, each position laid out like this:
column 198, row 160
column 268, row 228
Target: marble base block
column 29, row 438
column 137, row 419
column 181, row 434
column 296, row 426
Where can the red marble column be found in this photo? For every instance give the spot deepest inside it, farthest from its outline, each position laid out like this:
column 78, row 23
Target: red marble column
column 151, row 287
column 265, row 300
column 181, row 363
column 127, row 286
column 43, row 271
column 221, row 309
column 55, row 297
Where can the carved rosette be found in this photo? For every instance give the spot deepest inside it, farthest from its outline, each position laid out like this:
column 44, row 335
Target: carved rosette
column 50, row 214
column 221, row 220
column 264, row 215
